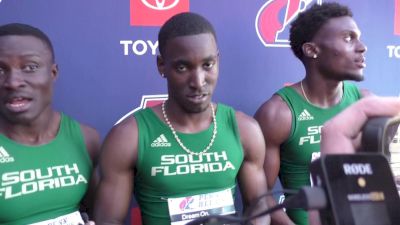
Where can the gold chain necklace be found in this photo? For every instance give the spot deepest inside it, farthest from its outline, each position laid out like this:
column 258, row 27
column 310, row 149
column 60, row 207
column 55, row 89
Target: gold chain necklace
column 304, row 93
column 179, row 140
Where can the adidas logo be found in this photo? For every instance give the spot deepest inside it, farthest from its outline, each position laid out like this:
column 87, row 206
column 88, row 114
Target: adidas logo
column 161, row 141
column 4, row 156
column 305, row 115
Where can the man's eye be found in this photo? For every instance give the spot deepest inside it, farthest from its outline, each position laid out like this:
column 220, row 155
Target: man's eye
column 181, row 68
column 351, row 37
column 2, row 71
column 209, row 65
column 30, row 68
column 348, row 38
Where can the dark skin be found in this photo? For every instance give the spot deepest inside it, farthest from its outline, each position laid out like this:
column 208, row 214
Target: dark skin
column 190, row 65
column 342, row 134
column 335, row 54
column 27, row 75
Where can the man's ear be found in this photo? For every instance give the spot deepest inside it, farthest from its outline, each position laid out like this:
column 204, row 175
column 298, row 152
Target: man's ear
column 160, row 65
column 310, row 50
column 54, row 71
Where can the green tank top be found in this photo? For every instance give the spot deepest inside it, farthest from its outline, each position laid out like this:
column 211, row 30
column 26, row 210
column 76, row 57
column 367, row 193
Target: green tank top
column 303, row 144
column 165, row 170
column 46, row 181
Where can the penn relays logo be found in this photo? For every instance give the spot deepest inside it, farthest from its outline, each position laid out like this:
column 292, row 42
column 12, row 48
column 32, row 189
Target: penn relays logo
column 147, row 101
column 397, row 17
column 186, row 203
column 273, row 18
column 155, row 12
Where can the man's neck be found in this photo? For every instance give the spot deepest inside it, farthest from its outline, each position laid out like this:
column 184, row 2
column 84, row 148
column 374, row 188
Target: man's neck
column 37, row 132
column 321, row 92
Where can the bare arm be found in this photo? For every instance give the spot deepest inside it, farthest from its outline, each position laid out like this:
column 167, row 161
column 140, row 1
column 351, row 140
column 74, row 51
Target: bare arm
column 366, row 93
column 92, row 141
column 251, row 176
column 342, row 134
column 275, row 119
column 117, row 162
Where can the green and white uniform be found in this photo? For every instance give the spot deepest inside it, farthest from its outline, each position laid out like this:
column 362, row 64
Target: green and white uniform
column 303, row 144
column 165, row 170
column 43, row 182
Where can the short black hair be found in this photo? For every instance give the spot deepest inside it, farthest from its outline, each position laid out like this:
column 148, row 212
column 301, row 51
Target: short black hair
column 27, row 30
column 183, row 24
column 309, row 22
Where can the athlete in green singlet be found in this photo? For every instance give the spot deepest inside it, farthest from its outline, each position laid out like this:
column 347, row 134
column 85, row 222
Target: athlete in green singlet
column 326, row 39
column 182, row 158
column 46, row 157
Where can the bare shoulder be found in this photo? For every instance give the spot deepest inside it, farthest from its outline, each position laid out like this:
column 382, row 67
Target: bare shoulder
column 120, row 144
column 246, row 122
column 125, row 127
column 274, row 108
column 250, row 135
column 274, row 116
column 123, row 133
column 92, row 141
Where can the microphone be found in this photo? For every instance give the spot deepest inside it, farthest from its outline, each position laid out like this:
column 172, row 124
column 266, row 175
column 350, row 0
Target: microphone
column 306, row 198
column 360, row 189
column 377, row 134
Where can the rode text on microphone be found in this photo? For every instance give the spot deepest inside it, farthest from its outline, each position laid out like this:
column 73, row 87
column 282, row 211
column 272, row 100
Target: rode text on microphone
column 360, row 190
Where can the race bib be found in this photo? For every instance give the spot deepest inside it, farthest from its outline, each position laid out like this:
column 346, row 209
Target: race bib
column 185, row 209
column 68, row 219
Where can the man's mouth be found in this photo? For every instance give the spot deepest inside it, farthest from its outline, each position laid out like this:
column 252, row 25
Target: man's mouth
column 18, row 104
column 361, row 62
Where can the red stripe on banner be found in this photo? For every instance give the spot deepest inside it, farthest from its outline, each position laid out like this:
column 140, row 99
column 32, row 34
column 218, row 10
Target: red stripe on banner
column 397, row 17
column 136, row 218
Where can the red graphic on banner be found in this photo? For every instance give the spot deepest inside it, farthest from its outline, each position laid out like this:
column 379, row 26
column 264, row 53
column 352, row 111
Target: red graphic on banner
column 136, row 217
column 397, row 17
column 155, row 12
column 147, row 101
column 274, row 17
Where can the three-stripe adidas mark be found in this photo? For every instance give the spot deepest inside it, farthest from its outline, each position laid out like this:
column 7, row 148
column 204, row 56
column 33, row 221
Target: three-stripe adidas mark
column 4, row 156
column 161, row 141
column 305, row 115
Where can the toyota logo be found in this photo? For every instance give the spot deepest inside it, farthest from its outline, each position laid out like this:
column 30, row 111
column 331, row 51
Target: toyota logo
column 159, row 4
